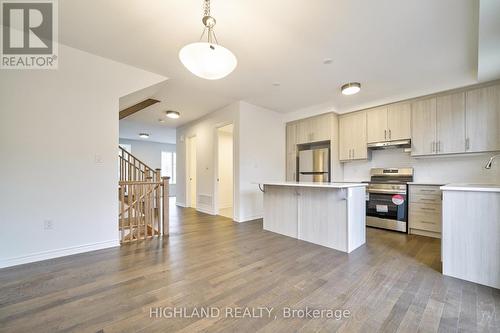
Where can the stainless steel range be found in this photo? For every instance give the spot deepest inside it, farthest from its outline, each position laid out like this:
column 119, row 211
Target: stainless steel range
column 387, row 198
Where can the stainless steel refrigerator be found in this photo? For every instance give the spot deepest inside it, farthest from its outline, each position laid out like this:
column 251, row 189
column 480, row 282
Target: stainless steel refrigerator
column 314, row 165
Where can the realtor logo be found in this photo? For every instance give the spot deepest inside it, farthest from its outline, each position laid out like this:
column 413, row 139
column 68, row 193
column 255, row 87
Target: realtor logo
column 29, row 34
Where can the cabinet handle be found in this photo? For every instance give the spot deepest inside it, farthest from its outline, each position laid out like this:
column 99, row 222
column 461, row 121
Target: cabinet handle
column 423, row 208
column 385, row 134
column 427, row 222
column 353, row 153
column 467, row 144
column 390, row 134
column 439, row 146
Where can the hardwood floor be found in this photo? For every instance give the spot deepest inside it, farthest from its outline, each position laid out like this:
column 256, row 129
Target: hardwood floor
column 391, row 284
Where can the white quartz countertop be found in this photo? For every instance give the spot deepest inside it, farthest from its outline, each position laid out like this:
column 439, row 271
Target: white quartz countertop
column 471, row 187
column 313, row 184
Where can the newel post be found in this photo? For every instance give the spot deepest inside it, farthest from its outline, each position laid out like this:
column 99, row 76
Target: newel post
column 165, row 219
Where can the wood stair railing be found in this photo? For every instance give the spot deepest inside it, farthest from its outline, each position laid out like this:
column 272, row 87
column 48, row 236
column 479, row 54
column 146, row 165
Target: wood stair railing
column 143, row 200
column 133, row 169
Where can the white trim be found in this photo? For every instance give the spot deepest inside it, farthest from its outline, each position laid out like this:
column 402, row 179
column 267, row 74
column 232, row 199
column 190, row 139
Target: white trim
column 249, row 218
column 207, row 210
column 180, row 204
column 50, row 254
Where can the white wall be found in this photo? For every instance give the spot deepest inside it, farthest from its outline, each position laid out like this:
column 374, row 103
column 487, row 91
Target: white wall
column 150, row 153
column 445, row 169
column 58, row 145
column 261, row 156
column 225, row 169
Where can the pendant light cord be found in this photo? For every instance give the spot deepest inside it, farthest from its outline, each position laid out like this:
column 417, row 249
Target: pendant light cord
column 208, row 22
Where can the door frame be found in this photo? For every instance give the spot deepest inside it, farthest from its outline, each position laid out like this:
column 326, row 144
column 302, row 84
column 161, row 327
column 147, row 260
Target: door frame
column 188, row 171
column 216, row 168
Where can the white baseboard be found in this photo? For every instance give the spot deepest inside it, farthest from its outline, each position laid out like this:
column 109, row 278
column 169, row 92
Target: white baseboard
column 205, row 210
column 248, row 218
column 44, row 255
column 180, row 204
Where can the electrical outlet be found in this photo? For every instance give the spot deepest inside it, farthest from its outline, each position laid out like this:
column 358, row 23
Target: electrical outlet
column 48, row 225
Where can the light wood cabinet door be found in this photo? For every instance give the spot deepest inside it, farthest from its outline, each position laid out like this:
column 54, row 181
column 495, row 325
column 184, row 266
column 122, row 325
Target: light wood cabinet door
column 291, row 167
column 376, row 129
column 483, row 119
column 291, row 138
column 304, row 128
column 358, row 136
column 352, row 140
column 345, row 138
column 450, row 125
column 423, row 122
column 321, row 127
column 399, row 121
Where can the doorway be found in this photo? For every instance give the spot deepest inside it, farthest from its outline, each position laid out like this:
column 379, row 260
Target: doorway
column 191, row 172
column 225, row 171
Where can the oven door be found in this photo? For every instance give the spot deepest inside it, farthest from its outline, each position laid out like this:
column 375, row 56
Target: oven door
column 387, row 210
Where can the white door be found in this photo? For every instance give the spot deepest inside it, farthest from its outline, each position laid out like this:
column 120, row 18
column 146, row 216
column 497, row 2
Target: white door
column 191, row 172
column 225, row 176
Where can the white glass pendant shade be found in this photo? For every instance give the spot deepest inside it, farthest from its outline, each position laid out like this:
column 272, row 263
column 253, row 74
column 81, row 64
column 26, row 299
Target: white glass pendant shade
column 208, row 61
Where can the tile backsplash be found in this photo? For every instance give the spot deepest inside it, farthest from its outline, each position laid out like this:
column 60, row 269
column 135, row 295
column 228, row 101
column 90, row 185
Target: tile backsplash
column 446, row 169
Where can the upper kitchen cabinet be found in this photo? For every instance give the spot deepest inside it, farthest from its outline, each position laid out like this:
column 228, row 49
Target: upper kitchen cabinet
column 389, row 123
column 450, row 124
column 423, row 119
column 438, row 125
column 291, row 138
column 376, row 120
column 352, row 140
column 399, row 121
column 315, row 129
column 483, row 119
column 291, row 151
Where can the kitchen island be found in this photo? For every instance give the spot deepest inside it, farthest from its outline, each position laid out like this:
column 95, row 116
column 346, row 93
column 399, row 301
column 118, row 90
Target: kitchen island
column 471, row 232
column 328, row 214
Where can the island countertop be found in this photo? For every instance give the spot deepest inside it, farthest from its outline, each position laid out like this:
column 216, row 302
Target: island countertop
column 313, row 184
column 471, row 187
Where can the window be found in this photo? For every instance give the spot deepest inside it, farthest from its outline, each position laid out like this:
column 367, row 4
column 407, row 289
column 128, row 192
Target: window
column 168, row 165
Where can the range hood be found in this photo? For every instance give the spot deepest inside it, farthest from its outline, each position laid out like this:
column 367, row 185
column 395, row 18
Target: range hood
column 390, row 144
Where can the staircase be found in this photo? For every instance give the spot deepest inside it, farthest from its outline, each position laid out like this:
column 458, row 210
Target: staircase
column 143, row 198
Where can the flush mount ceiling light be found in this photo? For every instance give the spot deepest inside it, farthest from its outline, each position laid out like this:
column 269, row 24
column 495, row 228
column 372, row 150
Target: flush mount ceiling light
column 351, row 88
column 144, row 135
column 208, row 60
column 173, row 114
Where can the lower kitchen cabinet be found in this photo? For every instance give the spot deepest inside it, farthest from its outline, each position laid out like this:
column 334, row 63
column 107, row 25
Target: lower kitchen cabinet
column 425, row 205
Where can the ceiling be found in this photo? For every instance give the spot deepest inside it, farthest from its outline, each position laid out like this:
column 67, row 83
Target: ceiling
column 394, row 48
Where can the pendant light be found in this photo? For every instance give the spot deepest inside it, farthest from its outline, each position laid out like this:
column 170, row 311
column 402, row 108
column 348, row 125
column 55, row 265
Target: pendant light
column 208, row 60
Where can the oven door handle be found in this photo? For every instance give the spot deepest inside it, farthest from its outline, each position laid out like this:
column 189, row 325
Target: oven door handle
column 386, row 191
